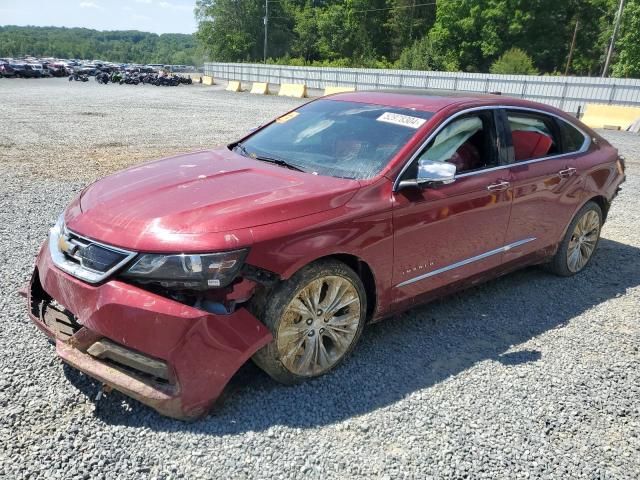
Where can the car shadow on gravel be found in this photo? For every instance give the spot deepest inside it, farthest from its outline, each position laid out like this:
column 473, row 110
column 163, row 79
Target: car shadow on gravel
column 401, row 356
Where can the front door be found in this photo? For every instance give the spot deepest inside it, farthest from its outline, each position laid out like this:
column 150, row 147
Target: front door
column 446, row 233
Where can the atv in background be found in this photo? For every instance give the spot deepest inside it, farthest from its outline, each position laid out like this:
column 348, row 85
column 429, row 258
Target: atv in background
column 79, row 77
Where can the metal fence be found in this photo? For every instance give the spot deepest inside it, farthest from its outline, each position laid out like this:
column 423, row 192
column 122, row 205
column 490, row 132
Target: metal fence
column 566, row 93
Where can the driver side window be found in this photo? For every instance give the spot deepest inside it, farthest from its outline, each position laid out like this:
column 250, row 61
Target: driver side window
column 466, row 142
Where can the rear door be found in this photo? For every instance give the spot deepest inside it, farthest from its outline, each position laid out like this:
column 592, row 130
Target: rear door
column 544, row 176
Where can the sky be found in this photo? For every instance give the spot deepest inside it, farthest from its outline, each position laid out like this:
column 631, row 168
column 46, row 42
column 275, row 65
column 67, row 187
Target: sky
column 158, row 16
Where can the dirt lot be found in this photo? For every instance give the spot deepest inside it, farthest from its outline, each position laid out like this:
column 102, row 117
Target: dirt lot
column 528, row 376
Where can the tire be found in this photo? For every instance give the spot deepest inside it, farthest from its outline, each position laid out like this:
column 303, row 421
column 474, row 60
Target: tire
column 579, row 243
column 317, row 342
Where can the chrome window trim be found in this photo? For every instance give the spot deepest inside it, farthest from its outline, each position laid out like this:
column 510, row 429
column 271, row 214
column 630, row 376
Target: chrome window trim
column 466, row 261
column 515, row 164
column 77, row 269
column 583, row 148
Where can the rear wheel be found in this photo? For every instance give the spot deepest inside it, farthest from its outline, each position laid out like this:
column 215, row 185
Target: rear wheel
column 316, row 318
column 579, row 244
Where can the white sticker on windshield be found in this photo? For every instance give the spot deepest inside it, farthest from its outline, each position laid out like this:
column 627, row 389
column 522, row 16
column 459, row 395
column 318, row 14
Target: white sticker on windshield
column 403, row 120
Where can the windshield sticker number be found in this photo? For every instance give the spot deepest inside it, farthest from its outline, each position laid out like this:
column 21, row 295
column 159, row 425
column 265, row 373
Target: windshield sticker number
column 287, row 117
column 403, row 120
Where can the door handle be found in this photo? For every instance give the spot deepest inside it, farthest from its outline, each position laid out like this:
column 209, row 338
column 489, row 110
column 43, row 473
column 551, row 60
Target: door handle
column 498, row 187
column 567, row 172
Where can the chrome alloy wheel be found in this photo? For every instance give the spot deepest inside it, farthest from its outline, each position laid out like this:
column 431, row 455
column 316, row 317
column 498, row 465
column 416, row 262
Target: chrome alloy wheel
column 583, row 241
column 318, row 326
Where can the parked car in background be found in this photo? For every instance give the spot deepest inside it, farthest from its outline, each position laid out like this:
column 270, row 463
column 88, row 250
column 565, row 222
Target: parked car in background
column 86, row 69
column 6, row 70
column 162, row 280
column 36, row 70
column 59, row 70
column 21, row 70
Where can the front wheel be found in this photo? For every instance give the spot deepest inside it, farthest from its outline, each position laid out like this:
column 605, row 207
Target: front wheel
column 316, row 318
column 579, row 243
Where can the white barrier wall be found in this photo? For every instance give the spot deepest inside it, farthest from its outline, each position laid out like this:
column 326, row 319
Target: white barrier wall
column 566, row 93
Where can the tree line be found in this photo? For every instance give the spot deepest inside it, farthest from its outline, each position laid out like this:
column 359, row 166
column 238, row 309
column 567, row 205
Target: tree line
column 115, row 46
column 503, row 36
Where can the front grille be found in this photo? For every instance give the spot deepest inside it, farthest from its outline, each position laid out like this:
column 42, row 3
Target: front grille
column 84, row 258
column 91, row 256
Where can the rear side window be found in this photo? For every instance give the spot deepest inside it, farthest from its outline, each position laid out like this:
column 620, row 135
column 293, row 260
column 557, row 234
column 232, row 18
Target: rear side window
column 533, row 135
column 572, row 138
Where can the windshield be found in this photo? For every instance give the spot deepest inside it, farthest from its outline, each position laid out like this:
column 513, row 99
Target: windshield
column 335, row 138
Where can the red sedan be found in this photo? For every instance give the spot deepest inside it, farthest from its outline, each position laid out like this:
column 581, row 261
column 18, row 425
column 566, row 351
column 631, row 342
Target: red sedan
column 162, row 280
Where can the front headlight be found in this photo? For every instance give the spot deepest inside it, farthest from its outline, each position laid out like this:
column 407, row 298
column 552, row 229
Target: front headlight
column 187, row 271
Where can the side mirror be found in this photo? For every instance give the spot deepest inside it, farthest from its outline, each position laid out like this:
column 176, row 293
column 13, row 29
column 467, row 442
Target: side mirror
column 431, row 173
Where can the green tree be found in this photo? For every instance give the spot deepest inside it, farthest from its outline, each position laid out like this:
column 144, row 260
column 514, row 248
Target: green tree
column 229, row 29
column 466, row 35
column 233, row 30
column 407, row 23
column 628, row 45
column 117, row 46
column 420, row 56
column 306, row 36
column 514, row 61
column 472, row 33
column 352, row 29
column 595, row 20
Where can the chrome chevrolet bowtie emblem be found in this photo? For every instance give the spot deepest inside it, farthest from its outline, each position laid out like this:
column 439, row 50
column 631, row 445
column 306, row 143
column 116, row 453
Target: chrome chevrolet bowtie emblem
column 65, row 245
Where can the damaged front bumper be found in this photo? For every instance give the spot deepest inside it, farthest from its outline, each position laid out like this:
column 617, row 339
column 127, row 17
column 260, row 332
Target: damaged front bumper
column 175, row 358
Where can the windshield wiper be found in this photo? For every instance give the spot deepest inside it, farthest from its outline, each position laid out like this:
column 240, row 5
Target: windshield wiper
column 278, row 161
column 264, row 158
column 242, row 149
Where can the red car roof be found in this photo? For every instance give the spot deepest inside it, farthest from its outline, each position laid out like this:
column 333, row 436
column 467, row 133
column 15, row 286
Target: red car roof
column 429, row 100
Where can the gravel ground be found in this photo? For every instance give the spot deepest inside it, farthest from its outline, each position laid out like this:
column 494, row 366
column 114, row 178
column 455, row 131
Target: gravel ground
column 528, row 376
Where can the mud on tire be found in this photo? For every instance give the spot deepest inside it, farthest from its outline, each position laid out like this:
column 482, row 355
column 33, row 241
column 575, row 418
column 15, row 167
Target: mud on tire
column 325, row 337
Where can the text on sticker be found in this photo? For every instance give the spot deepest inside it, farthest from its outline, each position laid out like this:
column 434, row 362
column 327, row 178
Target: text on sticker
column 403, row 120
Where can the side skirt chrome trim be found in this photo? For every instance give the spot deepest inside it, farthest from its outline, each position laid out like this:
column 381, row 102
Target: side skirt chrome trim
column 467, row 261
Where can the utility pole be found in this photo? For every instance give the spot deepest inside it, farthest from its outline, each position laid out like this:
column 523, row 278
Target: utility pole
column 573, row 46
column 616, row 26
column 266, row 24
column 413, row 9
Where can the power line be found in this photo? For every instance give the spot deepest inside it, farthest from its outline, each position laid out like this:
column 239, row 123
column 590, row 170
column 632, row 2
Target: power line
column 377, row 9
column 374, row 9
column 394, row 8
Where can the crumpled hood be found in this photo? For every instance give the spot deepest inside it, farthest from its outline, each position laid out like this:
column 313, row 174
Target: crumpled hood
column 200, row 193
